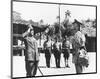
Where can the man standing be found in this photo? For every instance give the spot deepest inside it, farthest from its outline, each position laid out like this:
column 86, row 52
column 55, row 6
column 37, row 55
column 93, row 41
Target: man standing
column 31, row 52
column 47, row 50
column 57, row 52
column 66, row 50
column 78, row 41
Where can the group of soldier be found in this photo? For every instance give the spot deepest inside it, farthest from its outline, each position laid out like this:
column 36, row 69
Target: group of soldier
column 32, row 54
column 57, row 47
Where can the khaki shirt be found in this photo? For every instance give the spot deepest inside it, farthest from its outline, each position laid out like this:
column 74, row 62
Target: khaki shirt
column 31, row 53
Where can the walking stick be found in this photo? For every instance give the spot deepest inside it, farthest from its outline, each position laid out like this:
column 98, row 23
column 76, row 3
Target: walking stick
column 40, row 71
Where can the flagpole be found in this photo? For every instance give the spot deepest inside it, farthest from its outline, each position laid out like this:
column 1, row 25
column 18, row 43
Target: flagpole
column 59, row 14
column 59, row 22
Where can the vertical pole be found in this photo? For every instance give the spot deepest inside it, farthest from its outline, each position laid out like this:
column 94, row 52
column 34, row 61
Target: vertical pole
column 59, row 14
column 59, row 22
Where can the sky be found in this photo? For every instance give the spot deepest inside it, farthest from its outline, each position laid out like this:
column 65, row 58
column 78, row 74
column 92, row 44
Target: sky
column 49, row 12
column 78, row 12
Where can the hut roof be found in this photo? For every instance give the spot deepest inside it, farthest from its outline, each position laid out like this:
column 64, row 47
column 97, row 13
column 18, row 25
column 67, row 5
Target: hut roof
column 20, row 26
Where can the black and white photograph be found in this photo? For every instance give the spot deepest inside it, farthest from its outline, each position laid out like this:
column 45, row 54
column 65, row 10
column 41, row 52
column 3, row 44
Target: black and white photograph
column 52, row 39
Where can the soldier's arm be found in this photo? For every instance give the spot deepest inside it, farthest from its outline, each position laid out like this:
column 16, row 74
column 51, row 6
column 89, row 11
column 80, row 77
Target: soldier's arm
column 28, row 31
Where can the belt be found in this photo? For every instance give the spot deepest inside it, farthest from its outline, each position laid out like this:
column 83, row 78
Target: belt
column 66, row 48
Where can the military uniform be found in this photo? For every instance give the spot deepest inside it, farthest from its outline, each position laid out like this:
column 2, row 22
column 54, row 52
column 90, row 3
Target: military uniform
column 66, row 50
column 77, row 41
column 57, row 53
column 31, row 56
column 47, row 50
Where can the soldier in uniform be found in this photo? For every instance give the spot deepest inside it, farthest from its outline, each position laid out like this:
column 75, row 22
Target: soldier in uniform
column 78, row 41
column 57, row 52
column 31, row 52
column 66, row 50
column 47, row 50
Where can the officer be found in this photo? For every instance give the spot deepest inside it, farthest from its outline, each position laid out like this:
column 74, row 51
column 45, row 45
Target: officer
column 57, row 52
column 66, row 50
column 31, row 52
column 47, row 50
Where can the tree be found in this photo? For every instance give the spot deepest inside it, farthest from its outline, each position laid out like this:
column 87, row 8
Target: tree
column 41, row 22
column 16, row 16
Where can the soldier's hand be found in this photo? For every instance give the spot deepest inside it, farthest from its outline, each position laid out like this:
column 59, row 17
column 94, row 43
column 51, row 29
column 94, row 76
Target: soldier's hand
column 30, row 26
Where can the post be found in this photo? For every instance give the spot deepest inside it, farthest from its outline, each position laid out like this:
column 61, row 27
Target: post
column 59, row 14
column 59, row 22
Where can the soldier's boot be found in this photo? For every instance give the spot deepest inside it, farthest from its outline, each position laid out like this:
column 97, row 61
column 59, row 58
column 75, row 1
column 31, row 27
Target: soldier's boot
column 67, row 65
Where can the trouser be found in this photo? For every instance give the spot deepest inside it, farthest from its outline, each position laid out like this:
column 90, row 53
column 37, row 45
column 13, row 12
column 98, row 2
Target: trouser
column 78, row 68
column 31, row 68
column 47, row 57
column 66, row 53
column 57, row 56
